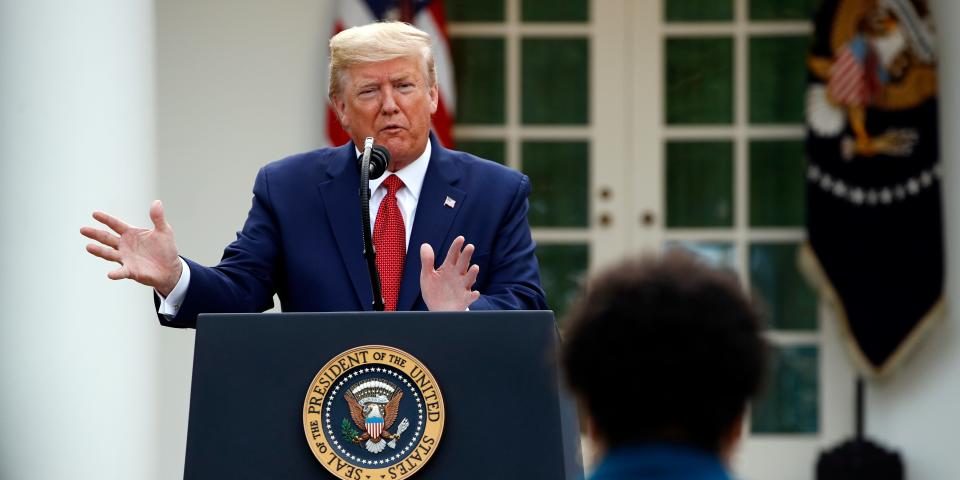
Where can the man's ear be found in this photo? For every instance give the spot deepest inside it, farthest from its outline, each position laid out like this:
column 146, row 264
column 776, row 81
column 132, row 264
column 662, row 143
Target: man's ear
column 339, row 106
column 434, row 98
column 729, row 442
column 593, row 445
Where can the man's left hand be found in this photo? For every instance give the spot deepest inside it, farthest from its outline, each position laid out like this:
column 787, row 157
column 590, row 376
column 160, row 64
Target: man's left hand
column 448, row 288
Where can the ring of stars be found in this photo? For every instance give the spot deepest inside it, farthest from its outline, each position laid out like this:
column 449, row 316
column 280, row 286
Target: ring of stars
column 399, row 455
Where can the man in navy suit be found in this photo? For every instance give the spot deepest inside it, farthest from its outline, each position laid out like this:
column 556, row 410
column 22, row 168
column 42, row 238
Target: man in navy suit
column 303, row 237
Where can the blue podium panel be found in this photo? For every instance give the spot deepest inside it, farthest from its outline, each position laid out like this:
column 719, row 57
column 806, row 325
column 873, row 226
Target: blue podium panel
column 507, row 415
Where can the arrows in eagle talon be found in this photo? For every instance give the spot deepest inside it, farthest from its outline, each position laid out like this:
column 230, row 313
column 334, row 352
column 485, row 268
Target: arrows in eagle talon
column 403, row 426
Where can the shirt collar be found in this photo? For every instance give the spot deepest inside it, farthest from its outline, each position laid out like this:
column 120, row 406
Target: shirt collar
column 411, row 175
column 659, row 461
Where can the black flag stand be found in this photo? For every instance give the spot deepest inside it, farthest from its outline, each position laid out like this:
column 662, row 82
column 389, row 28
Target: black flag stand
column 859, row 458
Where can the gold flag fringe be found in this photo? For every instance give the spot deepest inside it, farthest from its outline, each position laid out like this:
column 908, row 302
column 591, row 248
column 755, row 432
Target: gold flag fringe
column 811, row 268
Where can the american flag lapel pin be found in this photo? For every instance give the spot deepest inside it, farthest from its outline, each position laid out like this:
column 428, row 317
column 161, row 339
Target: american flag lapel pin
column 449, row 202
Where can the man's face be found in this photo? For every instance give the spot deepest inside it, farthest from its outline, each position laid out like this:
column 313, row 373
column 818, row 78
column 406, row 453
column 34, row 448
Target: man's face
column 391, row 102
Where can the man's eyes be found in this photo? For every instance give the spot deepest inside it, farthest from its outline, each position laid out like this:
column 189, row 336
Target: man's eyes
column 402, row 87
column 366, row 92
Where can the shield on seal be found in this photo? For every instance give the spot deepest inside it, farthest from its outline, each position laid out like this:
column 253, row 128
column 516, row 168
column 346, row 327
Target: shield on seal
column 375, row 427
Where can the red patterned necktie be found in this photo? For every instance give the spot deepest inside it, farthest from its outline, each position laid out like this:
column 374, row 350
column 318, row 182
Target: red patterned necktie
column 390, row 242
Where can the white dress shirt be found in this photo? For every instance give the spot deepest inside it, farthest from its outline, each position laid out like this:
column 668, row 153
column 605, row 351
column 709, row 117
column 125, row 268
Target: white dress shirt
column 407, row 198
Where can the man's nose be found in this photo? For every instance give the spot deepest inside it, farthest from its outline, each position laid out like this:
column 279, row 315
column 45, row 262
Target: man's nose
column 389, row 105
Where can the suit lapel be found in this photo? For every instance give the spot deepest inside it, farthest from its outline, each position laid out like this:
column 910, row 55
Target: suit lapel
column 342, row 202
column 432, row 221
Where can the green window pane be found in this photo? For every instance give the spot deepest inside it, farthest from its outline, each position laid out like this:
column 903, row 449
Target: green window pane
column 559, row 173
column 778, row 77
column 474, row 11
column 555, row 84
column 698, row 10
column 554, row 11
column 790, row 402
column 782, row 9
column 699, row 184
column 699, row 80
column 786, row 300
column 720, row 255
column 478, row 65
column 495, row 150
column 777, row 183
column 562, row 268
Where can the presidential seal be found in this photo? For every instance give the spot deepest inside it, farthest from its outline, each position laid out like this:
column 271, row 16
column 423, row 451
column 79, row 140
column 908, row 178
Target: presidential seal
column 373, row 412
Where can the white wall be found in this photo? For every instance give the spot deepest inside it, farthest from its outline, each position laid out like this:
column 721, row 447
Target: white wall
column 77, row 351
column 916, row 410
column 239, row 84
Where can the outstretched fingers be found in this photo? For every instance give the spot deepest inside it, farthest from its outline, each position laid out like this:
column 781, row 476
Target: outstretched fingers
column 105, row 253
column 426, row 259
column 453, row 254
column 119, row 274
column 463, row 262
column 471, row 277
column 156, row 215
column 450, row 287
column 101, row 236
column 114, row 223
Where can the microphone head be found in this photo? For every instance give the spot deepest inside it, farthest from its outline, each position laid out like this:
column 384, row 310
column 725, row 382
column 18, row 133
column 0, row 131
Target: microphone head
column 379, row 159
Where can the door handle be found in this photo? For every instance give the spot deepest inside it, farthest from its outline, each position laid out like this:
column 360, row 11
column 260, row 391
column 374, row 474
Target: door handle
column 648, row 218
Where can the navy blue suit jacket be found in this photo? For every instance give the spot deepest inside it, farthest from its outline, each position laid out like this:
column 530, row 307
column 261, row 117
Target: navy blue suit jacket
column 302, row 238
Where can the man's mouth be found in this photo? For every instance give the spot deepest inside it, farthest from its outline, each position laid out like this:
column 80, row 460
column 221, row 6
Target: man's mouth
column 391, row 129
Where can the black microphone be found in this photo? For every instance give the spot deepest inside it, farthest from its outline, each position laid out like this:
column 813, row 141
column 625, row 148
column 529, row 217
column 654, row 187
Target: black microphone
column 371, row 164
column 379, row 158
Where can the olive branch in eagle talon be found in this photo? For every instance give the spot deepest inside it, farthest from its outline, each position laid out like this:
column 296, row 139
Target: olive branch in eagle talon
column 361, row 413
column 346, row 428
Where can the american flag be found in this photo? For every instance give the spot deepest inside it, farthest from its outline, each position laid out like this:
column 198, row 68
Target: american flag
column 854, row 76
column 426, row 15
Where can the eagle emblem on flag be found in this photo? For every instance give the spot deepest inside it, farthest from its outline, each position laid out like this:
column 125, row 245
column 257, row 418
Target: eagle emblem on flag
column 374, row 405
column 883, row 60
column 875, row 240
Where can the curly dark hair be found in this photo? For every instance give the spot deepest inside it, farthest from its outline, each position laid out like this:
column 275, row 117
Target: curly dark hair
column 664, row 349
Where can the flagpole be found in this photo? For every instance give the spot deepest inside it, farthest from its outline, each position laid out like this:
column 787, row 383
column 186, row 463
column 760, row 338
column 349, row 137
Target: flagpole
column 859, row 457
column 859, row 408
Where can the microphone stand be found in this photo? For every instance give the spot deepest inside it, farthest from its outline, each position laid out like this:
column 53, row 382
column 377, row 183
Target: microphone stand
column 368, row 251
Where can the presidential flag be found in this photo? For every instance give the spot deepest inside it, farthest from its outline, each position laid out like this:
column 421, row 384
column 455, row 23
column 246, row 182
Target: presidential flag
column 875, row 239
column 427, row 16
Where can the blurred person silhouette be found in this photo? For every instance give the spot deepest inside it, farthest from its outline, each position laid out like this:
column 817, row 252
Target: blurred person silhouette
column 663, row 355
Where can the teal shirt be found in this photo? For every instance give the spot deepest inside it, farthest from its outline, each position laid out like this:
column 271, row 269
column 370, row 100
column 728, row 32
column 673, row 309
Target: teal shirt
column 660, row 462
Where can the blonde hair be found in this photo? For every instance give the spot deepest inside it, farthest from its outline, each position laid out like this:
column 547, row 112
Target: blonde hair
column 377, row 42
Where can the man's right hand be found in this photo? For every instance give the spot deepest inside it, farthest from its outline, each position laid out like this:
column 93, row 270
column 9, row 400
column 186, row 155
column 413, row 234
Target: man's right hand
column 146, row 256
